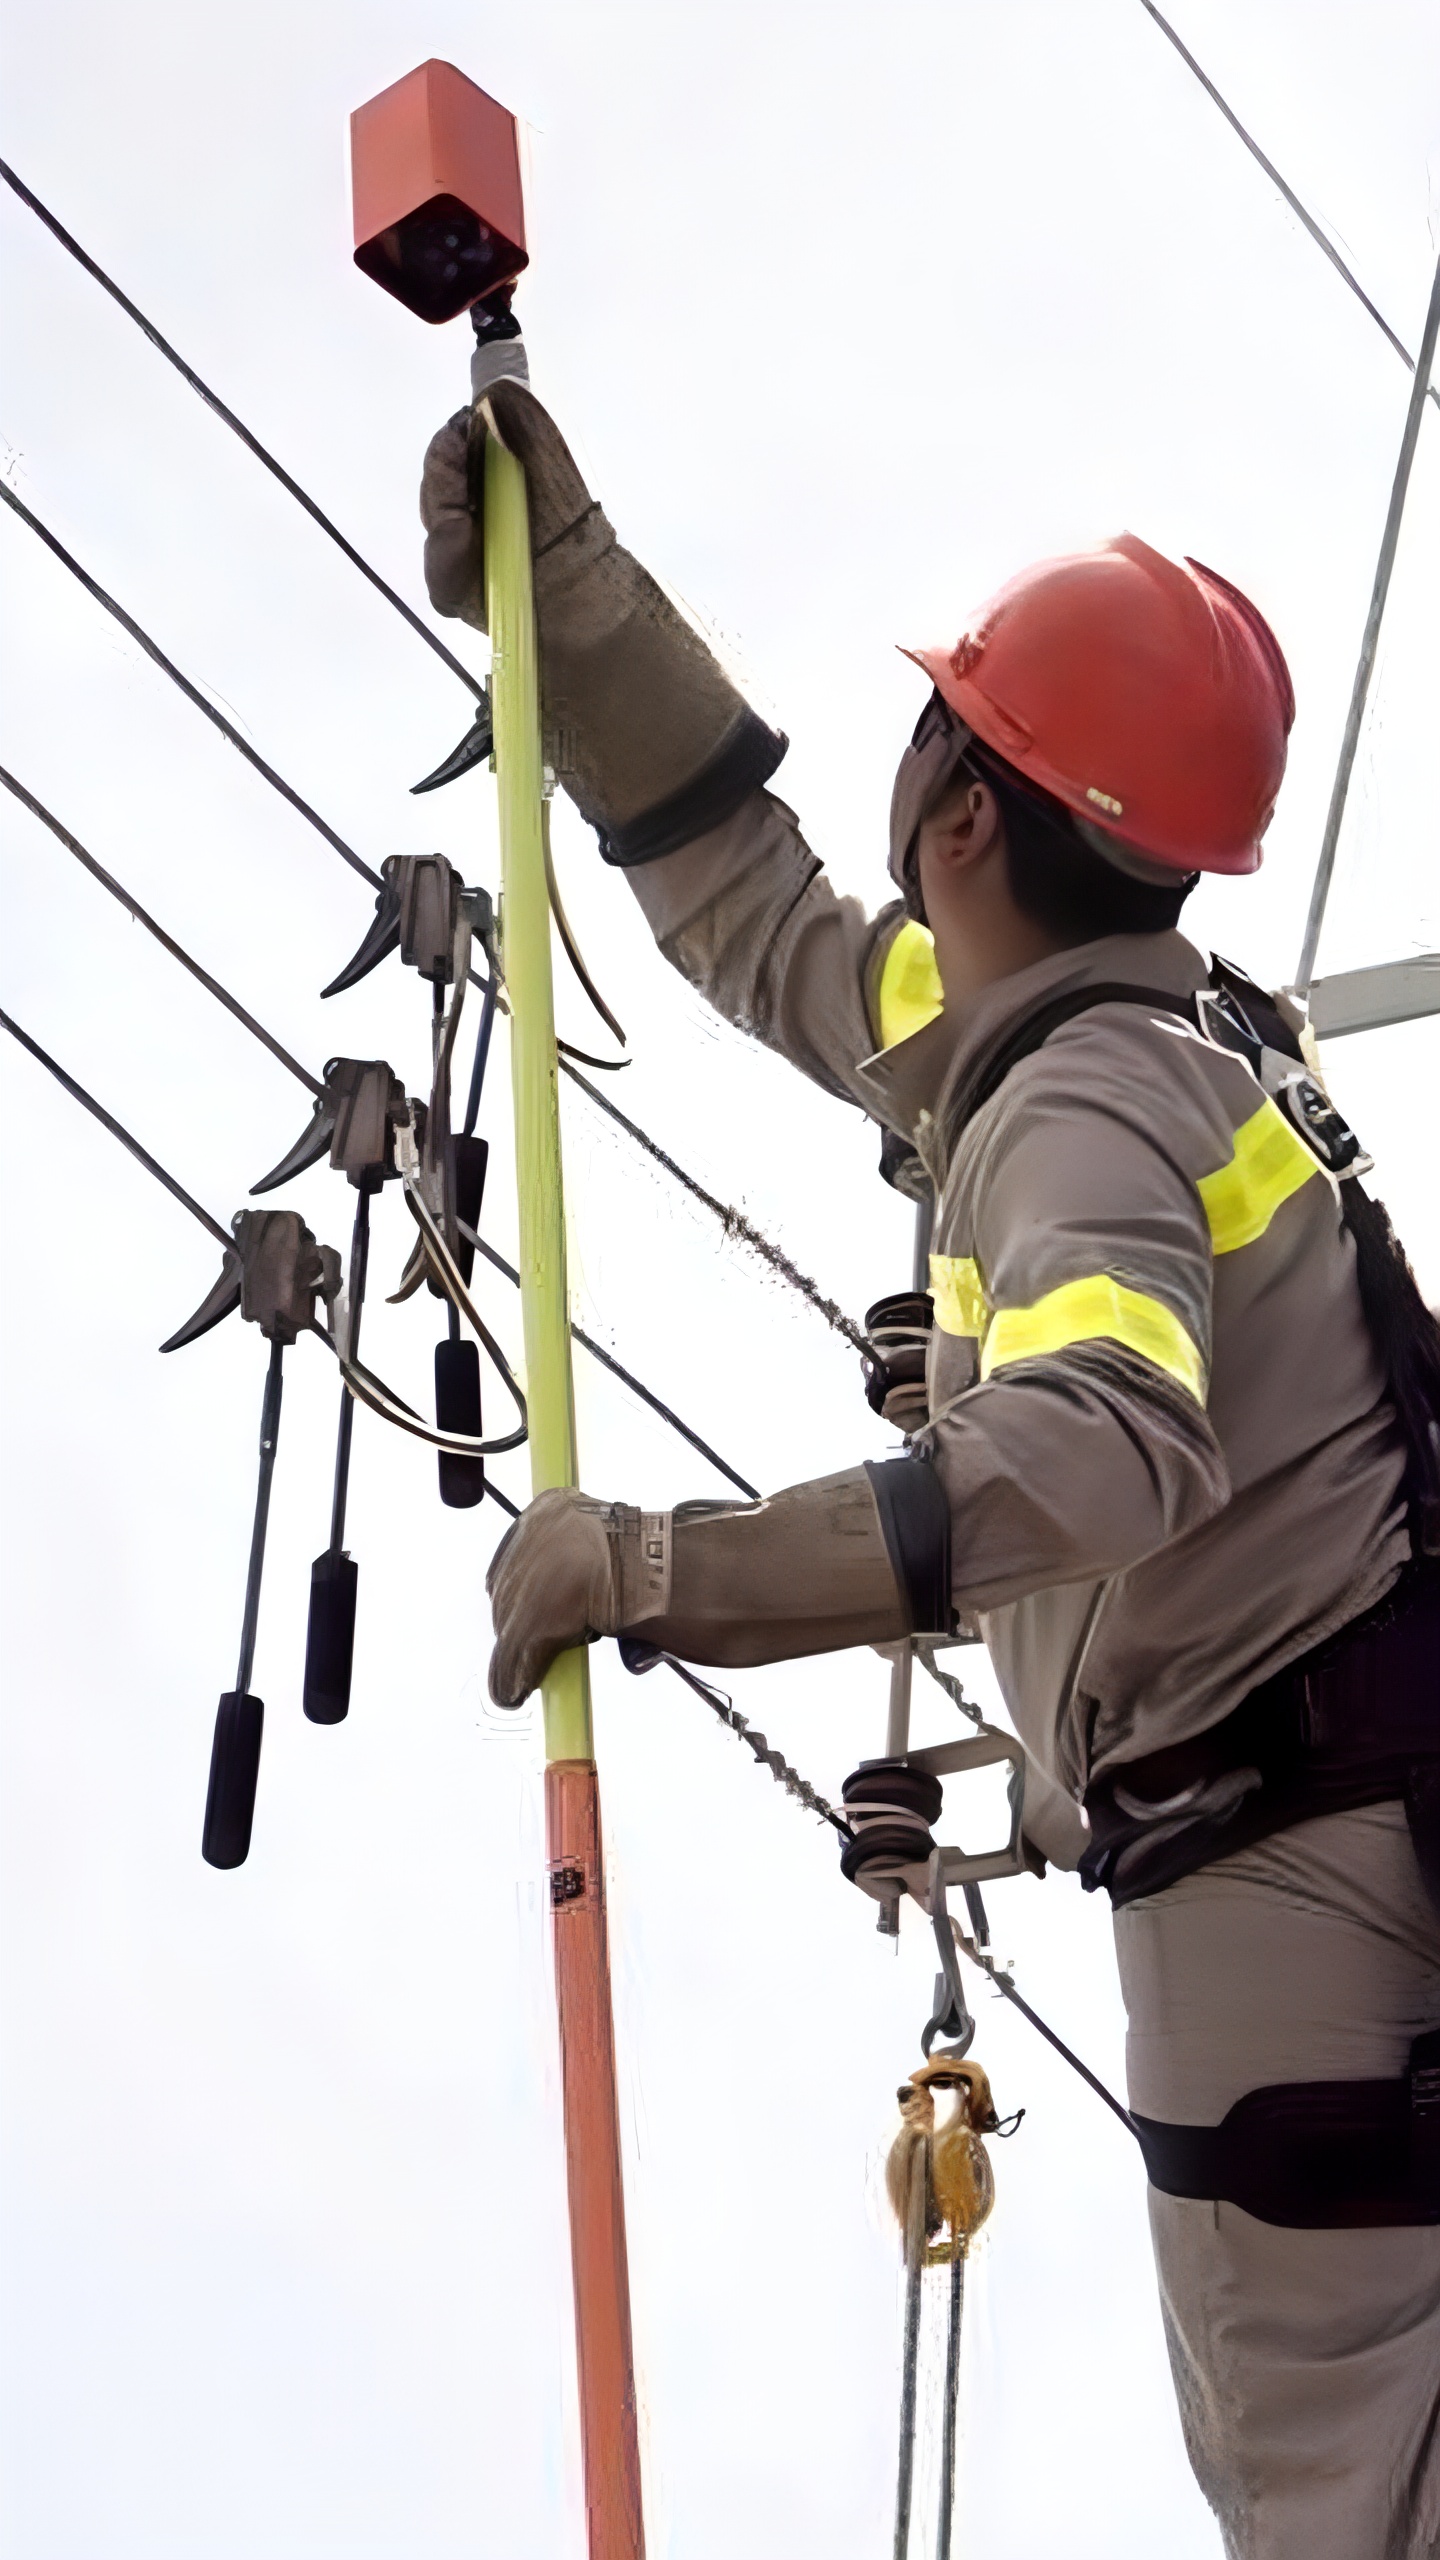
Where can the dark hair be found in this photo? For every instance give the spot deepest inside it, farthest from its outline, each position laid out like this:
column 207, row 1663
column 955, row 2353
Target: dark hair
column 1057, row 879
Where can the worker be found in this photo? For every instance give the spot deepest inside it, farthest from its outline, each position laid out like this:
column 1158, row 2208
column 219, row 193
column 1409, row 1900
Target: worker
column 1178, row 1464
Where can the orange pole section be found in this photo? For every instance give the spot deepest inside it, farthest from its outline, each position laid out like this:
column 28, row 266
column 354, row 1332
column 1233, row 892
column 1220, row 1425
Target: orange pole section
column 604, row 2352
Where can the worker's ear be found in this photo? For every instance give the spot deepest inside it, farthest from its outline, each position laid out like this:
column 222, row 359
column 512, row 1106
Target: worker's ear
column 964, row 828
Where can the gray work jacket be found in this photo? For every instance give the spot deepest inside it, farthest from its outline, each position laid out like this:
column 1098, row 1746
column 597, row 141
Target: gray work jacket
column 1155, row 1405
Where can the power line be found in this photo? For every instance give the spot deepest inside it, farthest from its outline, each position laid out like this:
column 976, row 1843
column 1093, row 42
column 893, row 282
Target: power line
column 258, row 1031
column 734, row 1222
column 1288, row 192
column 237, row 427
column 141, row 1154
column 191, row 692
column 608, row 1361
column 167, row 942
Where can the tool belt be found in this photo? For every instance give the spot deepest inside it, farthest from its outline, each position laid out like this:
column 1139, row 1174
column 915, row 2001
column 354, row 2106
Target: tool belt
column 1354, row 1722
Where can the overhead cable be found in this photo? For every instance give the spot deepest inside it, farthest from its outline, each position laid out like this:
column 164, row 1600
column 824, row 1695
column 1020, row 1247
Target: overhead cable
column 734, row 1221
column 1368, row 645
column 626, row 1376
column 1288, row 192
column 141, row 1154
column 237, row 427
column 232, row 1004
column 167, row 941
column 191, row 692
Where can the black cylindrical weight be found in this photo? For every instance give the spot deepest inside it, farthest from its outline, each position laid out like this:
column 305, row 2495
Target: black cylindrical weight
column 234, row 1769
column 471, row 1157
column 457, row 1408
column 330, row 1638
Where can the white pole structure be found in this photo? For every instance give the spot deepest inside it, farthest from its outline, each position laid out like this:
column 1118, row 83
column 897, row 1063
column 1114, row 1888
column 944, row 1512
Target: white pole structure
column 1319, row 895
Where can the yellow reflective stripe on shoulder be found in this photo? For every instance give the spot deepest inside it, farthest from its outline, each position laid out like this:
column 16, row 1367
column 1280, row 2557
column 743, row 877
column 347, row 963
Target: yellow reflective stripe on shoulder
column 1269, row 1164
column 1095, row 1309
column 957, row 1294
column 910, row 991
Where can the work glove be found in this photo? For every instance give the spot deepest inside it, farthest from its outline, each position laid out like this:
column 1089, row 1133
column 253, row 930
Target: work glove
column 854, row 1559
column 647, row 733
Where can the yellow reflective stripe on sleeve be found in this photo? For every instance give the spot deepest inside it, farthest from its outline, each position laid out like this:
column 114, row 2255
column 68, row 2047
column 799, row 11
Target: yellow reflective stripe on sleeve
column 910, row 991
column 1092, row 1310
column 1269, row 1164
column 957, row 1294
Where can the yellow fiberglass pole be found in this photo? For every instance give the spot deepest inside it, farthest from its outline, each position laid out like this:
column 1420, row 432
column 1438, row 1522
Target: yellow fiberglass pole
column 525, row 930
column 605, row 2356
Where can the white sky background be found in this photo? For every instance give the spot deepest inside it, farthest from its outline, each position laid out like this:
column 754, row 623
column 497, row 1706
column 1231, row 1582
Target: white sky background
column 849, row 312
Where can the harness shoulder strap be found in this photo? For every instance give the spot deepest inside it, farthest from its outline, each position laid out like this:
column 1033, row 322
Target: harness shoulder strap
column 1023, row 1038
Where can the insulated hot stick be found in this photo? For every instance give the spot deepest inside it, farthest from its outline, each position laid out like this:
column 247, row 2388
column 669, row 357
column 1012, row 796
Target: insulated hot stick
column 440, row 222
column 351, row 1100
column 335, row 1576
column 275, row 1273
column 425, row 912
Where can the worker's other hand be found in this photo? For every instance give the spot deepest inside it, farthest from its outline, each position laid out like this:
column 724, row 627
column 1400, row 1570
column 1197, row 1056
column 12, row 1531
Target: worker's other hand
column 570, row 1570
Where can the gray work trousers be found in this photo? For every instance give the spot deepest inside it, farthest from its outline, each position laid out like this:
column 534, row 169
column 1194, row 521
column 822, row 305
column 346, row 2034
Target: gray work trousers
column 1306, row 2363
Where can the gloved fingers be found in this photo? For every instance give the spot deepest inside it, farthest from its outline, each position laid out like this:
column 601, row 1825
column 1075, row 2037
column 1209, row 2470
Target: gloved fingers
column 558, row 494
column 454, row 545
column 551, row 1585
column 518, row 1667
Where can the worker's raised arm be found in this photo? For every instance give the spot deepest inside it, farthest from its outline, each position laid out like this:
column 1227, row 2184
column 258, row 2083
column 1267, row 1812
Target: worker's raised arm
column 660, row 752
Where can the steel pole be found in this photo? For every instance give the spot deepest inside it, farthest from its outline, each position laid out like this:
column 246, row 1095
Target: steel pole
column 599, row 2267
column 1370, row 640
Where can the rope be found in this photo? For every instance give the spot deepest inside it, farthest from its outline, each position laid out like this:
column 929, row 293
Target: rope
column 1288, row 192
column 949, row 2422
column 166, row 941
column 915, row 2216
column 141, row 1154
column 191, row 692
column 237, row 427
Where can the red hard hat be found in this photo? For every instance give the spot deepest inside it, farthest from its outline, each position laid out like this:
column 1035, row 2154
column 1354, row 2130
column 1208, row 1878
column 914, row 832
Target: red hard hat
column 1152, row 699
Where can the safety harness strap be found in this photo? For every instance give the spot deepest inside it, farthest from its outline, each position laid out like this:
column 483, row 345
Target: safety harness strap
column 1354, row 1722
column 1315, row 2155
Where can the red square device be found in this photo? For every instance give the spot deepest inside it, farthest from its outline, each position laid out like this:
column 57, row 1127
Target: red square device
column 435, row 175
